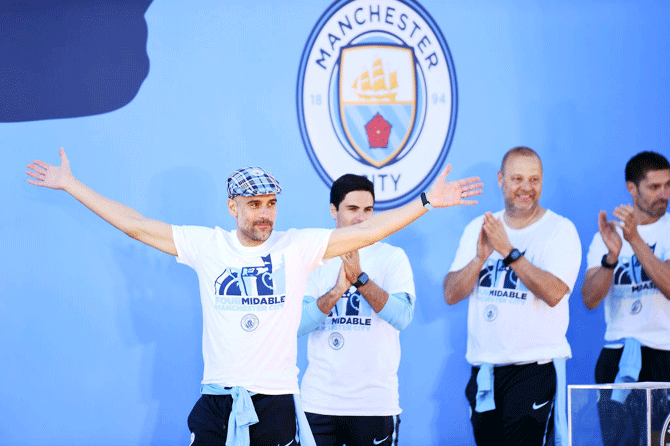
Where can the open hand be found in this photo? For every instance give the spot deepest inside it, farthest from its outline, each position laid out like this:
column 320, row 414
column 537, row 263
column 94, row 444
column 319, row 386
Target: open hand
column 46, row 175
column 496, row 234
column 608, row 233
column 484, row 248
column 453, row 193
column 352, row 265
column 628, row 224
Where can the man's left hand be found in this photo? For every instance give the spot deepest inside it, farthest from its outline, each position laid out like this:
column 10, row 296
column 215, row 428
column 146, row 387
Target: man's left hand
column 628, row 224
column 352, row 265
column 443, row 194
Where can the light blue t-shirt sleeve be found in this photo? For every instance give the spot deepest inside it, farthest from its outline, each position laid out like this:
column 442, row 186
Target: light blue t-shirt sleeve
column 312, row 316
column 398, row 311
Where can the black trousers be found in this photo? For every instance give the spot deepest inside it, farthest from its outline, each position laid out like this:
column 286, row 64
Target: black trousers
column 624, row 424
column 332, row 430
column 524, row 398
column 208, row 421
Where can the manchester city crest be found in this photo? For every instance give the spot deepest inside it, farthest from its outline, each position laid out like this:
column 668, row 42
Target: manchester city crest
column 636, row 307
column 249, row 322
column 336, row 341
column 377, row 97
column 490, row 313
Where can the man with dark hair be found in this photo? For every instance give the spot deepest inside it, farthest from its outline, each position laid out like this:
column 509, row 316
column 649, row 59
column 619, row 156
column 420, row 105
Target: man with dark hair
column 517, row 267
column 354, row 309
column 252, row 283
column 629, row 269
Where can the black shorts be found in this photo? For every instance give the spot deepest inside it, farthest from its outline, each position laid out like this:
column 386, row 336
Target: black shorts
column 208, row 421
column 524, row 398
column 623, row 424
column 333, row 430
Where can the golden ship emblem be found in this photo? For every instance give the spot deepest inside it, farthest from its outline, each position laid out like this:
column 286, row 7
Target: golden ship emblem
column 376, row 87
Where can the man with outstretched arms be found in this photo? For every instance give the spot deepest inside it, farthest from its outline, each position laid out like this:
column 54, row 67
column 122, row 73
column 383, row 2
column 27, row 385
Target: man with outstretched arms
column 629, row 268
column 518, row 267
column 354, row 309
column 252, row 283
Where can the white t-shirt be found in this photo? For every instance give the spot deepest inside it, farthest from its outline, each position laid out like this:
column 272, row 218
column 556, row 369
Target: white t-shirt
column 354, row 355
column 251, row 303
column 634, row 307
column 507, row 323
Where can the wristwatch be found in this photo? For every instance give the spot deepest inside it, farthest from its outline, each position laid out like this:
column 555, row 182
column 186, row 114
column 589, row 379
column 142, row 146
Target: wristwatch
column 512, row 257
column 362, row 280
column 425, row 202
column 604, row 263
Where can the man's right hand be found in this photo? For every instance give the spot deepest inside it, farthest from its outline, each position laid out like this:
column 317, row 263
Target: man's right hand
column 484, row 248
column 610, row 237
column 54, row 177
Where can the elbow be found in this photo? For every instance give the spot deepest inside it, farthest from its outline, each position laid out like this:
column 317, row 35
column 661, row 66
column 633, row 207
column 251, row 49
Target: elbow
column 449, row 298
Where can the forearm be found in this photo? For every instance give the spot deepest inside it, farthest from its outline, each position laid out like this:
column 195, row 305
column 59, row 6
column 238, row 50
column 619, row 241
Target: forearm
column 398, row 311
column 657, row 270
column 377, row 227
column 459, row 284
column 541, row 283
column 597, row 284
column 326, row 302
column 312, row 316
column 118, row 215
column 375, row 296
column 151, row 232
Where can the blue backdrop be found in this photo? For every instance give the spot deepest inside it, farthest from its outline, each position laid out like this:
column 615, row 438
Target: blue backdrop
column 157, row 102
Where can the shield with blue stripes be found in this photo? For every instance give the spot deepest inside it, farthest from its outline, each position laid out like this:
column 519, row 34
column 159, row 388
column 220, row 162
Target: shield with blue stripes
column 377, row 95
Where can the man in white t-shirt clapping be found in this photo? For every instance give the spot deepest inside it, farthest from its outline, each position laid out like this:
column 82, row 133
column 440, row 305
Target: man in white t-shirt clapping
column 517, row 268
column 252, row 283
column 629, row 270
column 354, row 309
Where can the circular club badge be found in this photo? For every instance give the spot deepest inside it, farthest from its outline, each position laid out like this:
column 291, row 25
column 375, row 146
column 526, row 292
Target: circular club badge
column 249, row 322
column 336, row 341
column 377, row 97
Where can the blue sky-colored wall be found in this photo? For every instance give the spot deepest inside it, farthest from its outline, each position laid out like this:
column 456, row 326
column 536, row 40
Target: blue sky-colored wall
column 101, row 335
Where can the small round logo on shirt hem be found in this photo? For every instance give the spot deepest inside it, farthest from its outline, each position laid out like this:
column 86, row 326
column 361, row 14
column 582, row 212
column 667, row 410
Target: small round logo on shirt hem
column 249, row 322
column 490, row 312
column 336, row 341
column 636, row 307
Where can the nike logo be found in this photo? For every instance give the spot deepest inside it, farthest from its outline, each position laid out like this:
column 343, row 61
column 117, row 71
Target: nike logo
column 537, row 406
column 289, row 443
column 376, row 442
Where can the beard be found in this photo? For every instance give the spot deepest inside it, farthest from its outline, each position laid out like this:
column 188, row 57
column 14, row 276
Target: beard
column 253, row 232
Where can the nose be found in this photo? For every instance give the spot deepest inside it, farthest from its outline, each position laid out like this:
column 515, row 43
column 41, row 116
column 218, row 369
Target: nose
column 665, row 192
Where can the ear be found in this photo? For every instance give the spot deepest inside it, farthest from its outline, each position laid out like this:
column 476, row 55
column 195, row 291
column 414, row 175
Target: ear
column 232, row 207
column 333, row 211
column 500, row 179
column 632, row 188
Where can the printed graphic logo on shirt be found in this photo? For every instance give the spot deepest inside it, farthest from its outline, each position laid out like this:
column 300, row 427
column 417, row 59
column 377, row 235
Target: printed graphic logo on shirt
column 629, row 271
column 249, row 322
column 352, row 312
column 336, row 341
column 500, row 283
column 252, row 288
column 636, row 307
column 490, row 312
column 377, row 96
column 665, row 433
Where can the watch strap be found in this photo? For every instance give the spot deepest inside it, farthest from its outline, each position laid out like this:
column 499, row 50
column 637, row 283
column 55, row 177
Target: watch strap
column 512, row 257
column 606, row 265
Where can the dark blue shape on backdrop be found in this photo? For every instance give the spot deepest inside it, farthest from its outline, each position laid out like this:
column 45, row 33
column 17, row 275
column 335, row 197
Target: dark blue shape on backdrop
column 70, row 58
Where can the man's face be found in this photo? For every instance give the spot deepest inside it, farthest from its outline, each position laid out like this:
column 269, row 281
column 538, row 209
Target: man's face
column 255, row 217
column 521, row 183
column 356, row 207
column 651, row 196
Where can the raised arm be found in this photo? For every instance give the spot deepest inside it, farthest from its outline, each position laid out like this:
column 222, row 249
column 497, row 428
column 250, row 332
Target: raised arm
column 541, row 283
column 383, row 224
column 657, row 270
column 599, row 279
column 151, row 232
column 459, row 284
